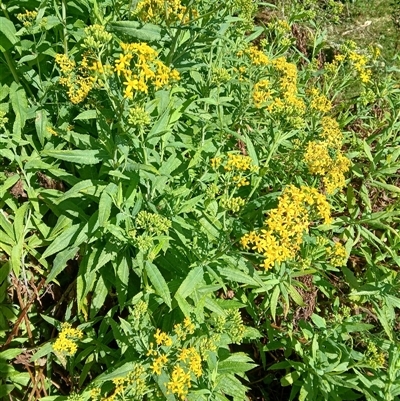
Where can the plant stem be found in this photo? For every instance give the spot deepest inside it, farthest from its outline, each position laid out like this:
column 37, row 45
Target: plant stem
column 11, row 67
column 64, row 18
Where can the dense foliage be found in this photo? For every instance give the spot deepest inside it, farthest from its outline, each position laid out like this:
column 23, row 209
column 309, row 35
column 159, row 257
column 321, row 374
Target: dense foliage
column 199, row 201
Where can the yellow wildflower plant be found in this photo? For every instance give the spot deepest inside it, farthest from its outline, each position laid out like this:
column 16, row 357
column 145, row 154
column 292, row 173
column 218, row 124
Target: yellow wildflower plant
column 337, row 254
column 324, row 157
column 27, row 18
column 319, row 102
column 66, row 340
column 140, row 69
column 162, row 338
column 261, row 93
column 236, row 162
column 132, row 386
column 282, row 235
column 79, row 79
column 179, row 383
column 168, row 11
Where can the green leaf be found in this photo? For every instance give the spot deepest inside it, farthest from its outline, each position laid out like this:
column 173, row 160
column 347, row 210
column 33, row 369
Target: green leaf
column 99, row 295
column 274, row 301
column 146, row 32
column 86, row 115
column 16, row 256
column 189, row 284
column 138, row 166
column 41, row 125
column 46, row 348
column 114, row 373
column 10, row 353
column 6, row 225
column 383, row 185
column 19, row 104
column 318, row 321
column 63, row 240
column 60, row 262
column 237, row 363
column 105, row 203
column 161, row 126
column 367, row 150
column 5, row 389
column 76, row 156
column 121, row 271
column 8, row 34
column 383, row 319
column 19, row 221
column 296, row 296
column 251, row 150
column 238, row 276
column 290, row 378
column 158, row 281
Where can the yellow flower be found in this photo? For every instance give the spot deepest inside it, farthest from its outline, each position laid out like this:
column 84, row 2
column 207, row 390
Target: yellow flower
column 65, row 342
column 319, row 102
column 159, row 363
column 284, row 229
column 179, row 383
column 162, row 338
column 337, row 255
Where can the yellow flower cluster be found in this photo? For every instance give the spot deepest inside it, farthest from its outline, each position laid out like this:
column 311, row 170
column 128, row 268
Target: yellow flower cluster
column 138, row 117
column 158, row 11
column 236, row 163
column 374, row 357
column 261, row 94
column 257, row 57
column 324, row 157
column 359, row 63
column 140, row 68
column 65, row 342
column 179, row 383
column 27, row 18
column 186, row 361
column 77, row 80
column 331, row 132
column 239, row 163
column 66, row 64
column 334, row 66
column 160, row 359
column 3, row 119
column 192, row 358
column 133, row 384
column 183, row 330
column 162, row 338
column 319, row 102
column 240, row 181
column 288, row 85
column 190, row 362
column 337, row 254
column 284, row 229
column 220, row 75
column 159, row 363
column 280, row 27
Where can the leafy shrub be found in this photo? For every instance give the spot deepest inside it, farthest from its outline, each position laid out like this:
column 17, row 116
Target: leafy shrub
column 195, row 206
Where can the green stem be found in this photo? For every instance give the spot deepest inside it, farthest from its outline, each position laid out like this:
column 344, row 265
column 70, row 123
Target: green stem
column 3, row 7
column 11, row 67
column 143, row 145
column 64, row 18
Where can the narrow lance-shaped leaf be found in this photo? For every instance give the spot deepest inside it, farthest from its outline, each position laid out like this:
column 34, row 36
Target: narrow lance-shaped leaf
column 158, row 281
